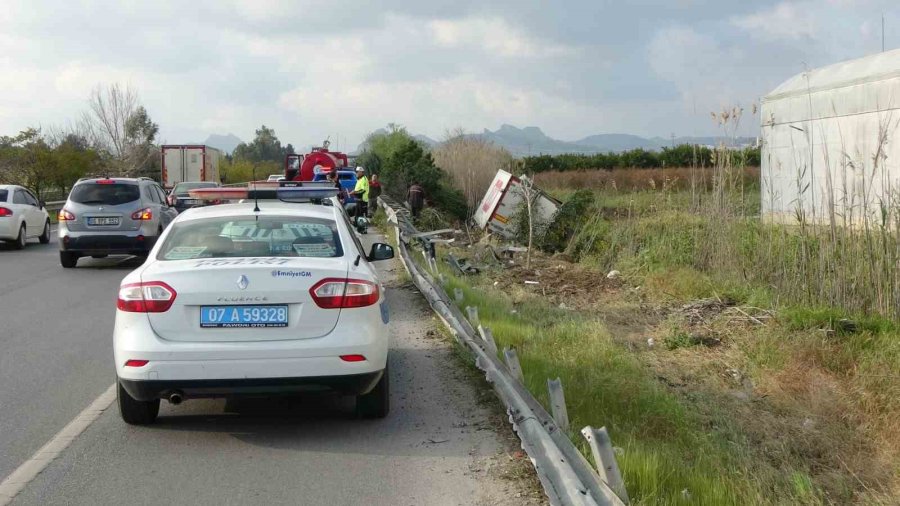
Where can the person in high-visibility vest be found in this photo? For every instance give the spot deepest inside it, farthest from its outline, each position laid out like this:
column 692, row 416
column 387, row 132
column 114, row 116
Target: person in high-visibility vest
column 361, row 192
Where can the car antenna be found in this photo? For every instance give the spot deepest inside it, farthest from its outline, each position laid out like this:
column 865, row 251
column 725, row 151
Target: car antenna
column 255, row 195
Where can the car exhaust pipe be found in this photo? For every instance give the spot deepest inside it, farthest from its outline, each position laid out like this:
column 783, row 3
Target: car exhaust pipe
column 175, row 398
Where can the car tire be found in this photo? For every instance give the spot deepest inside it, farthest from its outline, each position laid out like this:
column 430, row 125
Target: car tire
column 133, row 411
column 68, row 260
column 377, row 403
column 22, row 239
column 45, row 237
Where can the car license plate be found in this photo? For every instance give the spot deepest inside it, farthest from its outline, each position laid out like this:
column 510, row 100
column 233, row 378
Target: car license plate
column 191, row 202
column 243, row 317
column 103, row 221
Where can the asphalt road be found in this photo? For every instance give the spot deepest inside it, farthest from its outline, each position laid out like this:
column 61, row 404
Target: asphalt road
column 440, row 444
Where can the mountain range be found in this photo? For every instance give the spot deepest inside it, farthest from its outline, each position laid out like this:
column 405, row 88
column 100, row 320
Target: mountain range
column 533, row 141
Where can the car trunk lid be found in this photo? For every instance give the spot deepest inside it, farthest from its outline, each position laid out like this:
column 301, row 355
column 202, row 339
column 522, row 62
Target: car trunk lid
column 235, row 286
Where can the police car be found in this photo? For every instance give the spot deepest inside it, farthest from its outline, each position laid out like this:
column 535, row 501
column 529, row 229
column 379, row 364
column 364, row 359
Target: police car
column 254, row 298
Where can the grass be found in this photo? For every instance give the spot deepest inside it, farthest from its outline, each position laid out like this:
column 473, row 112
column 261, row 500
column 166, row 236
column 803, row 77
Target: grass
column 668, row 447
column 817, row 428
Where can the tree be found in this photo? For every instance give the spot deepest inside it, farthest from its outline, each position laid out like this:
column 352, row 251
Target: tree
column 33, row 163
column 75, row 159
column 471, row 162
column 122, row 128
column 399, row 160
column 265, row 148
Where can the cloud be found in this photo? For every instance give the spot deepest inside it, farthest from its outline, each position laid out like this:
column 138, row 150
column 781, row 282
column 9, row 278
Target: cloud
column 493, row 36
column 312, row 68
column 786, row 20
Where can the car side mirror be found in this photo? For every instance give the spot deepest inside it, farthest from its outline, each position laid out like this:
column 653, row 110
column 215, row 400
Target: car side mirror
column 42, row 204
column 380, row 251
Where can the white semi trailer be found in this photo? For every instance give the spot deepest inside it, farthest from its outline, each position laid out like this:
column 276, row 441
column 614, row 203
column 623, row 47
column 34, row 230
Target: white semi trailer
column 189, row 162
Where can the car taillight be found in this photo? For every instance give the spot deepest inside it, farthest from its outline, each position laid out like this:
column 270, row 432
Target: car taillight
column 152, row 297
column 336, row 293
column 5, row 212
column 106, row 181
column 144, row 214
column 64, row 215
column 136, row 363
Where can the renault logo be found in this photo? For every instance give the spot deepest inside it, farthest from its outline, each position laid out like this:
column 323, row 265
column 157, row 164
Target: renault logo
column 243, row 282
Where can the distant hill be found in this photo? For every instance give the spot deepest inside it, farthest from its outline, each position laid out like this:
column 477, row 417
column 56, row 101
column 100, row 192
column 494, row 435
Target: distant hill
column 533, row 141
column 226, row 143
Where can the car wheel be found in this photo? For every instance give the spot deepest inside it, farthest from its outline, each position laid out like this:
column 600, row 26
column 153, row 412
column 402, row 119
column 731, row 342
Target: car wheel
column 22, row 239
column 377, row 403
column 45, row 237
column 67, row 259
column 133, row 411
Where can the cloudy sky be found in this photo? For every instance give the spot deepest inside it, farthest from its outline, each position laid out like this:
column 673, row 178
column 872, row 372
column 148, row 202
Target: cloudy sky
column 340, row 68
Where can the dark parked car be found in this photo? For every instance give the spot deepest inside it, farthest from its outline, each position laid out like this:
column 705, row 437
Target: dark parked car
column 180, row 199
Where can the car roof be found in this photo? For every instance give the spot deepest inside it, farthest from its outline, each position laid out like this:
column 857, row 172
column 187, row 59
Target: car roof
column 116, row 179
column 266, row 208
column 9, row 186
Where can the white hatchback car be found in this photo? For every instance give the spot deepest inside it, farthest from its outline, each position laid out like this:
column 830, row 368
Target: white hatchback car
column 22, row 216
column 233, row 301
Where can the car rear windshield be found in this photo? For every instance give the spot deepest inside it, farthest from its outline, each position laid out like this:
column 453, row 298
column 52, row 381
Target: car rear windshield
column 111, row 194
column 270, row 236
column 4, row 194
column 182, row 189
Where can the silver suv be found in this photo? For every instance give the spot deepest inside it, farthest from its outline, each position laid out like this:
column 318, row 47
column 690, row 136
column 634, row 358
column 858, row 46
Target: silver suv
column 111, row 216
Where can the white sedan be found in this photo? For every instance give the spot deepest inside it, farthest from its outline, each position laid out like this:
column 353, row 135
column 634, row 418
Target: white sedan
column 234, row 302
column 22, row 216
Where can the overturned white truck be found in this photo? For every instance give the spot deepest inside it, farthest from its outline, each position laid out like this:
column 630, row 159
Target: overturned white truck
column 504, row 198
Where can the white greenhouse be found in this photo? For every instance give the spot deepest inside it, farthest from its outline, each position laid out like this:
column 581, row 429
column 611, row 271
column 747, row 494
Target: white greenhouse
column 830, row 145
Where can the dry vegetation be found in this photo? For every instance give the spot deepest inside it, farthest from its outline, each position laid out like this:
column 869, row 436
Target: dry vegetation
column 630, row 180
column 472, row 163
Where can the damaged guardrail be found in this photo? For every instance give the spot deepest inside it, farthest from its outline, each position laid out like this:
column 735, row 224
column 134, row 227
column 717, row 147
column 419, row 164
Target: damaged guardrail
column 566, row 476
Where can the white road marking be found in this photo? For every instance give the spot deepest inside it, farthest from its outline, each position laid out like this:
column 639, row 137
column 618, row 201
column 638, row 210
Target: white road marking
column 22, row 476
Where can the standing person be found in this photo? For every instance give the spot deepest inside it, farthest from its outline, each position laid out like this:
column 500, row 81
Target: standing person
column 361, row 192
column 416, row 198
column 333, row 179
column 374, row 192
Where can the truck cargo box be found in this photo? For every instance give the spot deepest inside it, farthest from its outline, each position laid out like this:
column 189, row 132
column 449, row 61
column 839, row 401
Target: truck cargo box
column 189, row 162
column 503, row 200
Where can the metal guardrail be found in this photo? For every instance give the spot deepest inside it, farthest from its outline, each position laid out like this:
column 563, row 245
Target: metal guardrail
column 566, row 476
column 54, row 206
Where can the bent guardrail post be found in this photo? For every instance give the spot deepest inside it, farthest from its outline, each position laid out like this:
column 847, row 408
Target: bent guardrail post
column 488, row 337
column 512, row 362
column 472, row 314
column 605, row 459
column 558, row 403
